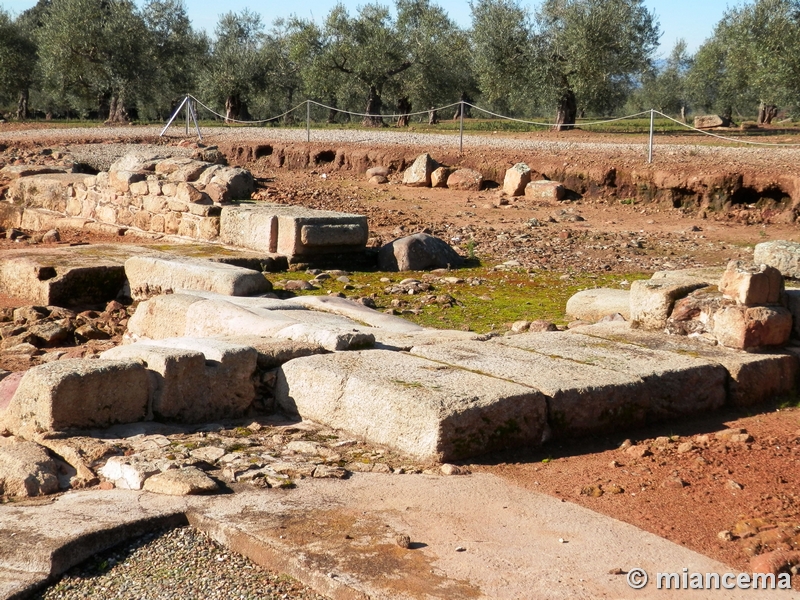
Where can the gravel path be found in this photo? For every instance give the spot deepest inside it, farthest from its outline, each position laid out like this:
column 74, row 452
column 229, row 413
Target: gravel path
column 669, row 150
column 176, row 564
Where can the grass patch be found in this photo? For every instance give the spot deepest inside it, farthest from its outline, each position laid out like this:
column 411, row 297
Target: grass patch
column 488, row 300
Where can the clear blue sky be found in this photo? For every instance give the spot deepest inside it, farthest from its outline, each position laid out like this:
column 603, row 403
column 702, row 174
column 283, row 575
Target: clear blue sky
column 692, row 20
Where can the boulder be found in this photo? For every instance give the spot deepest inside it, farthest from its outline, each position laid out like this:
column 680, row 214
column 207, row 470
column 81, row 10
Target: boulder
column 516, row 178
column 710, row 121
column 783, row 255
column 751, row 284
column 419, row 173
column 439, row 177
column 416, row 253
column 26, row 469
column 545, row 190
column 419, row 407
column 466, row 180
column 378, row 171
column 752, row 327
column 150, row 276
column 593, row 305
column 129, row 472
column 239, row 182
column 77, row 394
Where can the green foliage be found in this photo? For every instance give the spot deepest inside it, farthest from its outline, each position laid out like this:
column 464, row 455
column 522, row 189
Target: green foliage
column 17, row 57
column 665, row 89
column 753, row 57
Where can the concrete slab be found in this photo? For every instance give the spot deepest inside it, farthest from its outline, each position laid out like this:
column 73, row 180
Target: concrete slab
column 673, row 384
column 338, row 538
column 419, row 407
column 754, row 378
column 581, row 398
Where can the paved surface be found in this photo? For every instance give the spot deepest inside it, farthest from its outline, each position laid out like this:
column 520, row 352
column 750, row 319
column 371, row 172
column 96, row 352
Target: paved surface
column 472, row 536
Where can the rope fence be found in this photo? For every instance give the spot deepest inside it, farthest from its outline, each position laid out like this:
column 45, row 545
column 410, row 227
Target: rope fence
column 190, row 102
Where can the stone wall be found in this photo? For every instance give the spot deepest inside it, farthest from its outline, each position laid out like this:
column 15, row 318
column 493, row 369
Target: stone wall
column 178, row 197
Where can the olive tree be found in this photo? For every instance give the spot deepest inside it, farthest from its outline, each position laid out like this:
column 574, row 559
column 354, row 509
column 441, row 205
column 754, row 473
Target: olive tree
column 17, row 63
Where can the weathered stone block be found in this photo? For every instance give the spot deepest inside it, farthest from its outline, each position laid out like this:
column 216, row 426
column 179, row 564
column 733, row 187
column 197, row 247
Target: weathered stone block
column 516, row 179
column 148, row 274
column 545, row 190
column 752, row 327
column 652, row 299
column 419, row 407
column 27, row 470
column 783, row 255
column 39, row 219
column 249, row 227
column 77, row 394
column 751, row 284
column 121, row 181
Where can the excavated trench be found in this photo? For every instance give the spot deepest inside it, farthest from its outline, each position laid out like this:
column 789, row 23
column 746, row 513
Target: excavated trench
column 751, row 196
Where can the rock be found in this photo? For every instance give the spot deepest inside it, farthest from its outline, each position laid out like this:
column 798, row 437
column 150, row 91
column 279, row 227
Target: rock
column 80, row 453
column 419, row 173
column 378, row 180
column 416, row 253
column 129, row 472
column 516, row 178
column 733, row 485
column 520, row 326
column 378, row 171
column 448, row 469
column 209, row 454
column 403, row 540
column 692, row 314
column 652, row 300
column 239, row 182
column 189, row 194
column 781, row 254
column 439, row 177
column 49, row 333
column 416, row 406
column 545, row 190
column 743, row 327
column 793, row 305
column 541, row 326
column 593, row 305
column 77, row 394
column 466, row 180
column 149, row 276
column 685, row 447
column 725, row 536
column 295, row 285
column 329, row 472
column 26, row 469
column 751, row 284
column 181, row 482
column 673, row 482
column 8, row 387
column 710, row 122
column 638, row 451
column 51, row 237
column 776, row 563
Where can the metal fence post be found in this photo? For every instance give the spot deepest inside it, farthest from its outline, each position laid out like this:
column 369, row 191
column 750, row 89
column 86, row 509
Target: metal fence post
column 461, row 128
column 650, row 148
column 308, row 121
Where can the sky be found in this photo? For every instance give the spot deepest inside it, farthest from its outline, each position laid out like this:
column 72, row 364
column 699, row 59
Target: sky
column 693, row 20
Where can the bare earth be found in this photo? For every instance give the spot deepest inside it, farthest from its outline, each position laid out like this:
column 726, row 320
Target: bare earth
column 711, row 485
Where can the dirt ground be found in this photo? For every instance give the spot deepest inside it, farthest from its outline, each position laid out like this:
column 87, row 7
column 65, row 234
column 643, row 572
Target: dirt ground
column 682, row 481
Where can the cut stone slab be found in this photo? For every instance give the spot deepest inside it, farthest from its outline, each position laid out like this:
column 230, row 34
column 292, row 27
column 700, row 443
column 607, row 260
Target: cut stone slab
column 753, row 378
column 150, row 276
column 419, row 407
column 593, row 305
column 181, row 482
column 781, row 254
column 751, row 284
column 26, row 470
column 228, row 377
column 581, row 398
column 77, row 394
column 179, row 389
column 652, row 299
column 672, row 385
column 49, row 191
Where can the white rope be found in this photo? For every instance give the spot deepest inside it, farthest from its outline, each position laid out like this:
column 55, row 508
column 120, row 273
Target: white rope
column 392, row 116
column 499, row 116
column 722, row 137
column 227, row 120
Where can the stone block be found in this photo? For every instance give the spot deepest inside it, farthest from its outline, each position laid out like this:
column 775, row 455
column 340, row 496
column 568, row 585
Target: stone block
column 50, row 192
column 593, row 305
column 10, row 215
column 781, row 254
column 662, row 385
column 752, row 327
column 516, row 179
column 78, row 394
column 27, row 470
column 191, row 195
column 238, row 182
column 148, row 274
column 229, row 376
column 419, row 407
column 545, row 190
column 439, row 177
column 161, row 316
column 652, row 300
column 709, row 121
column 465, row 180
column 121, row 181
column 249, row 227
column 419, row 173
column 751, row 284
column 179, row 390
column 140, row 188
column 39, row 219
column 326, row 232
